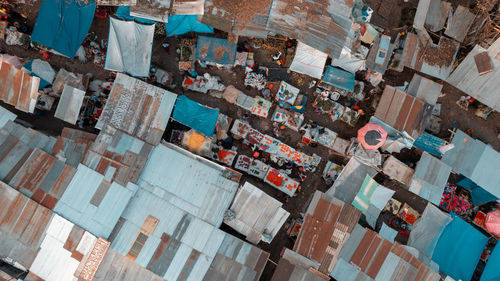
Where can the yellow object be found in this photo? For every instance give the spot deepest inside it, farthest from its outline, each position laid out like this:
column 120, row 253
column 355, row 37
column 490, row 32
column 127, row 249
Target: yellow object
column 196, row 141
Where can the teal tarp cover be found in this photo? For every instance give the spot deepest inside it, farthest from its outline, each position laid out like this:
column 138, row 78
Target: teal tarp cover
column 339, row 78
column 459, row 249
column 478, row 194
column 194, row 115
column 123, row 12
column 63, row 24
column 429, row 143
column 216, row 50
column 182, row 24
column 492, row 270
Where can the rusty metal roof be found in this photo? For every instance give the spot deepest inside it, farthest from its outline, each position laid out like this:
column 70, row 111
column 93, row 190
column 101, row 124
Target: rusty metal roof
column 18, row 88
column 137, row 108
column 323, row 25
column 325, row 227
column 72, row 145
column 116, row 2
column 293, row 267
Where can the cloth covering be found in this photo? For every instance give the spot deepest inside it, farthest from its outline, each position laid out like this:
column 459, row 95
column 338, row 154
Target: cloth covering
column 308, row 61
column 129, row 47
column 192, row 114
column 182, row 24
column 63, row 25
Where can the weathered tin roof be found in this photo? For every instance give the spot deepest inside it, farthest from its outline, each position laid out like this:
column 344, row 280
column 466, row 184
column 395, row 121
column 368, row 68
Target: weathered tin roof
column 18, row 88
column 482, row 87
column 459, row 23
column 116, row 2
column 322, row 25
column 118, row 156
column 6, row 116
column 326, row 226
column 30, row 137
column 93, row 202
column 425, row 89
column 430, row 178
column 68, row 108
column 137, row 108
column 379, row 55
column 292, row 267
column 190, row 182
column 72, row 146
column 256, row 213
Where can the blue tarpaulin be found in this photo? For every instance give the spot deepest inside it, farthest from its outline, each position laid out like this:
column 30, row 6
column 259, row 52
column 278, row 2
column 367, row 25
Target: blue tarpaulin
column 492, row 271
column 478, row 194
column 429, row 143
column 459, row 249
column 216, row 50
column 194, row 115
column 123, row 12
column 182, row 24
column 339, row 78
column 63, row 24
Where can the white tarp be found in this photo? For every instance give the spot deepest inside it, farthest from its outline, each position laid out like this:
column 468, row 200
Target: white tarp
column 349, row 62
column 308, row 61
column 69, row 105
column 129, row 47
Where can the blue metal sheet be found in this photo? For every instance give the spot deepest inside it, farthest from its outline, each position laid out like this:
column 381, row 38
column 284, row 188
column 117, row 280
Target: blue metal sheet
column 429, row 143
column 339, row 78
column 75, row 204
column 430, row 178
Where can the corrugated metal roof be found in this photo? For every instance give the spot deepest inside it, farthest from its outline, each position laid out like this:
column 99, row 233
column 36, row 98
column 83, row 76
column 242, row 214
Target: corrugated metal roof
column 482, row 87
column 139, row 109
column 459, row 23
column 398, row 170
column 323, row 25
column 18, row 88
column 43, row 178
column 190, row 182
column 147, row 9
column 425, row 89
column 430, row 178
column 256, row 213
column 475, row 160
column 5, row 116
column 22, row 226
column 118, row 156
column 421, row 54
column 116, row 2
column 402, row 111
column 289, row 269
column 30, row 137
column 325, row 229
column 68, row 108
column 379, row 62
column 72, row 146
column 348, row 183
column 93, row 202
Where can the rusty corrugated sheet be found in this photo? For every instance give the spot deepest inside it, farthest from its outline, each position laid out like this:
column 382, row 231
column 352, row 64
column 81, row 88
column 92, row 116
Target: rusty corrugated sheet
column 18, row 88
column 94, row 259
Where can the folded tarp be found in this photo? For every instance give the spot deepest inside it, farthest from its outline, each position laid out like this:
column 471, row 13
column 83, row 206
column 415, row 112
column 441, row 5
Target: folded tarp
column 196, row 116
column 339, row 78
column 63, row 25
column 459, row 249
column 182, row 24
column 308, row 61
column 129, row 47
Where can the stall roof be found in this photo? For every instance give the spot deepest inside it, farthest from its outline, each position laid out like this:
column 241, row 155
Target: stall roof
column 201, row 118
column 316, row 239
column 93, row 202
column 152, row 10
column 31, row 138
column 68, row 108
column 425, row 89
column 137, row 108
column 19, row 89
column 459, row 249
column 380, row 54
column 323, row 25
column 482, row 87
column 339, row 78
column 6, row 116
column 421, row 54
column 459, row 23
column 182, row 24
column 308, row 61
column 429, row 143
column 130, row 46
column 401, row 111
column 190, row 182
column 63, row 26
column 256, row 213
column 430, row 178
column 217, row 50
column 398, row 170
column 475, row 160
column 73, row 145
column 292, row 267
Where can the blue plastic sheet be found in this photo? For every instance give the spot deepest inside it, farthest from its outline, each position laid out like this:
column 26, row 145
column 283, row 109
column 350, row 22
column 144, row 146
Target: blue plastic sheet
column 429, row 143
column 208, row 48
column 194, row 115
column 182, row 24
column 43, row 83
column 63, row 25
column 459, row 249
column 123, row 12
column 478, row 194
column 339, row 78
column 492, row 271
